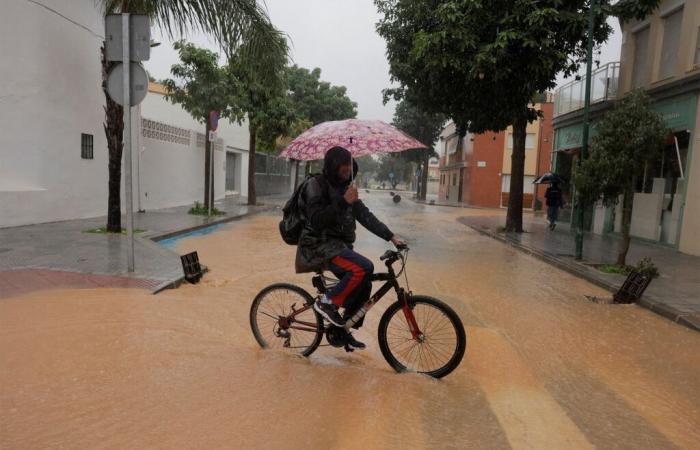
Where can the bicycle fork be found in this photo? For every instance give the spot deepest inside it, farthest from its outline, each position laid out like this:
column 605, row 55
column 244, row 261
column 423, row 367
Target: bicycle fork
column 407, row 311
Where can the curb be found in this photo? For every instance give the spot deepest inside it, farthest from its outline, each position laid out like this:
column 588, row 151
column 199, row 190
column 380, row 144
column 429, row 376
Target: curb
column 170, row 234
column 175, row 283
column 649, row 302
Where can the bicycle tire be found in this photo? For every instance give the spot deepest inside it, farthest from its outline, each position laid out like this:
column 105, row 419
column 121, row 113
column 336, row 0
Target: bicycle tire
column 460, row 334
column 308, row 300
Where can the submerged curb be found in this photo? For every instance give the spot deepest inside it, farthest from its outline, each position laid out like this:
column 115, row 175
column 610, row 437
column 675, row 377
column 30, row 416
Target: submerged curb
column 177, row 282
column 649, row 302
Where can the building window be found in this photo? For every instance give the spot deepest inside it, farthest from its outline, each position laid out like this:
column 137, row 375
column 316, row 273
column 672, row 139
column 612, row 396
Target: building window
column 672, row 37
column 641, row 57
column 697, row 49
column 454, row 179
column 529, row 140
column 451, row 144
column 86, row 146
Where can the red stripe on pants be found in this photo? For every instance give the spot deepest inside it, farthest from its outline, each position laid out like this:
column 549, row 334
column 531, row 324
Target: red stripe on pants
column 358, row 273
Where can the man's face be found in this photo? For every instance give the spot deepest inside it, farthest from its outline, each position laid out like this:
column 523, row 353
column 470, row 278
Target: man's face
column 345, row 172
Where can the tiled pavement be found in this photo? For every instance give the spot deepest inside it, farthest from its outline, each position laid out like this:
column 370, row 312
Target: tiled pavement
column 61, row 254
column 675, row 294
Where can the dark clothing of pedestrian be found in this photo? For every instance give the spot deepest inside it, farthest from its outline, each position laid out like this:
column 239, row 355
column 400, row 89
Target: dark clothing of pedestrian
column 553, row 195
column 555, row 200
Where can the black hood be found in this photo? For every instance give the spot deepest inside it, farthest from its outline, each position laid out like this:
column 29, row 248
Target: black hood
column 336, row 157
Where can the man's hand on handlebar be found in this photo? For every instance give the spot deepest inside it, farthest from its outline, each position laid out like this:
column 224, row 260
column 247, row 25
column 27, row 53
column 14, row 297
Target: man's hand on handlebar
column 398, row 242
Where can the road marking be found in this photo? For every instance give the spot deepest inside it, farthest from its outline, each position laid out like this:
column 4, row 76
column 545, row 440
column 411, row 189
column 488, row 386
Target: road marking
column 529, row 416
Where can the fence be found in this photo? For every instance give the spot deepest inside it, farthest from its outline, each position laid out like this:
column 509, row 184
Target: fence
column 272, row 174
column 604, row 84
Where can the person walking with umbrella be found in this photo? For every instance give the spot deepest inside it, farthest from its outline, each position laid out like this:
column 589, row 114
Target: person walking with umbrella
column 555, row 201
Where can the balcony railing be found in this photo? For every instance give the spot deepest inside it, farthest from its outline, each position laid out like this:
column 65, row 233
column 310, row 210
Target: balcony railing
column 604, row 84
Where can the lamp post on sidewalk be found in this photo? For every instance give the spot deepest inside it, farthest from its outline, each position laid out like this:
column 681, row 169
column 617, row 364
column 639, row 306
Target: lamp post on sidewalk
column 586, row 126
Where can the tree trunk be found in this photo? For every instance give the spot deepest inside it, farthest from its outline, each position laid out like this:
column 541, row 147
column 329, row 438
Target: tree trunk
column 514, row 219
column 251, row 167
column 207, row 165
column 114, row 132
column 627, row 199
column 424, row 176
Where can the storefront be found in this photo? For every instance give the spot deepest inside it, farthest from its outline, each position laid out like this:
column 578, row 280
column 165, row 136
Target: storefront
column 665, row 180
column 661, row 200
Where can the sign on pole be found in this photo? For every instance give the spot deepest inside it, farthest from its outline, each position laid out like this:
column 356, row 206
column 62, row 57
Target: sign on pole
column 213, row 120
column 127, row 39
column 139, row 83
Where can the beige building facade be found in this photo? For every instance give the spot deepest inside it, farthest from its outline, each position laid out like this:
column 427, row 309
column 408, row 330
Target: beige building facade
column 661, row 54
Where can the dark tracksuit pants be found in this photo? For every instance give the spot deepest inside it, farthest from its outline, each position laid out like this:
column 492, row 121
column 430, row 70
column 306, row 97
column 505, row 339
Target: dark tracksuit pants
column 354, row 272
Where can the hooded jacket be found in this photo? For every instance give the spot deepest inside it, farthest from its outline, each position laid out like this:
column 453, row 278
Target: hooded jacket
column 329, row 220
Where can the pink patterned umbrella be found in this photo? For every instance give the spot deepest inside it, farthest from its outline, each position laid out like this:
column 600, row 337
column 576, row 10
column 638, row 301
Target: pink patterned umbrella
column 361, row 137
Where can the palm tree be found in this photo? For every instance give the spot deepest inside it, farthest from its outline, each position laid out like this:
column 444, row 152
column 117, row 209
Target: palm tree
column 227, row 21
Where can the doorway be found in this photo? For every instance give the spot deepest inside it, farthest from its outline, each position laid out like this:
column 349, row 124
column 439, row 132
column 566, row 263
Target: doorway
column 233, row 179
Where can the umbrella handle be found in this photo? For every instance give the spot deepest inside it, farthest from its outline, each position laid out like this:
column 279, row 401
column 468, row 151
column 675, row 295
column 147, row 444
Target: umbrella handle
column 352, row 171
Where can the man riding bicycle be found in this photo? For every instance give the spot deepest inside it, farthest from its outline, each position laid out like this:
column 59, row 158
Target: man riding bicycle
column 329, row 206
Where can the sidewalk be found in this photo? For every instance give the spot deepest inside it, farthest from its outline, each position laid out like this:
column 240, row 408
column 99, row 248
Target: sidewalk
column 63, row 255
column 675, row 294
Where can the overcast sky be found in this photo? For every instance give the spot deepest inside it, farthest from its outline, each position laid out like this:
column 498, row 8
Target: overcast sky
column 339, row 37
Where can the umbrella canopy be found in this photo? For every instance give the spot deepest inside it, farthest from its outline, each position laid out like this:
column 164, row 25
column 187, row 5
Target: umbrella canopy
column 548, row 178
column 361, row 137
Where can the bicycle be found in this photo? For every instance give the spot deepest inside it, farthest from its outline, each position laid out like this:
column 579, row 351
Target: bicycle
column 430, row 339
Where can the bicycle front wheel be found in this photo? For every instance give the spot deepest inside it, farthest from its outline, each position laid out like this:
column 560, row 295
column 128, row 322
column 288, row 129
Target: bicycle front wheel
column 443, row 342
column 282, row 317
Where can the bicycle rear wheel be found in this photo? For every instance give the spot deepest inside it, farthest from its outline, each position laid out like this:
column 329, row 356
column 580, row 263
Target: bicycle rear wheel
column 275, row 325
column 444, row 339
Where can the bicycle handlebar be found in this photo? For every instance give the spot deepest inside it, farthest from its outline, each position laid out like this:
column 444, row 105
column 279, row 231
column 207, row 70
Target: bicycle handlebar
column 394, row 254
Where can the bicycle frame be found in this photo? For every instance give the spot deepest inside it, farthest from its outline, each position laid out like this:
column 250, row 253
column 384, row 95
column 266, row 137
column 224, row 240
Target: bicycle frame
column 390, row 283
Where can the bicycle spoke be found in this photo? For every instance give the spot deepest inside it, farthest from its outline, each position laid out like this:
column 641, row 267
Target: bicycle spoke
column 439, row 343
column 278, row 303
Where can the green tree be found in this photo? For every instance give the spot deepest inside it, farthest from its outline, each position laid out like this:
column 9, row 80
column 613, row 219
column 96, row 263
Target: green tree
column 261, row 76
column 201, row 86
column 228, row 22
column 629, row 137
column 316, row 100
column 480, row 63
column 426, row 128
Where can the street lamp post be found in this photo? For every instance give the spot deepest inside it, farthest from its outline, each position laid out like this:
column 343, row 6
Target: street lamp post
column 584, row 137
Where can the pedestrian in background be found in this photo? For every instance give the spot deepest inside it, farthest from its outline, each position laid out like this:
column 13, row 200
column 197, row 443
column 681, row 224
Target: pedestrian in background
column 554, row 202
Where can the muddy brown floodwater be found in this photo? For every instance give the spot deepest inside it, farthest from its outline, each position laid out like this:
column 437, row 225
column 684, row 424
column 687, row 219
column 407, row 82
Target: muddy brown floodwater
column 544, row 368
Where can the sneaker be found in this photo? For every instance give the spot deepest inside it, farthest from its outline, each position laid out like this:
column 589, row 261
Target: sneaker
column 330, row 312
column 554, row 225
column 352, row 342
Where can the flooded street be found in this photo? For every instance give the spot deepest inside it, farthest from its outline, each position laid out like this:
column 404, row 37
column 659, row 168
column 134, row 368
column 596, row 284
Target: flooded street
column 544, row 368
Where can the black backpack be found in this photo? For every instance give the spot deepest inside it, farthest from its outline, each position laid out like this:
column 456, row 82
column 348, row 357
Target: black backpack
column 292, row 222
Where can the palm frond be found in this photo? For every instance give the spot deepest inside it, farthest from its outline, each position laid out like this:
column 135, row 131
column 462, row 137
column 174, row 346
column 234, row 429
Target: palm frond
column 229, row 22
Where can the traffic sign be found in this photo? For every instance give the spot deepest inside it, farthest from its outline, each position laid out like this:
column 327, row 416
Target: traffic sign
column 138, row 81
column 213, row 120
column 139, row 37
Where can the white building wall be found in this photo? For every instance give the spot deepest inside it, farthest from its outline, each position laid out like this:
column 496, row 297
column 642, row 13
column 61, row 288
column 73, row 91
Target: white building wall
column 172, row 173
column 50, row 93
